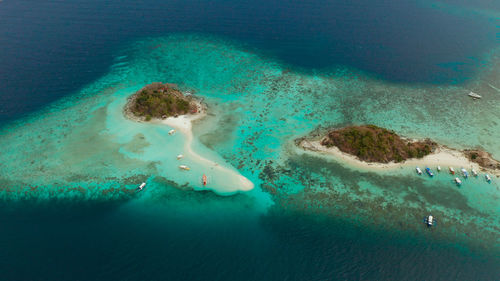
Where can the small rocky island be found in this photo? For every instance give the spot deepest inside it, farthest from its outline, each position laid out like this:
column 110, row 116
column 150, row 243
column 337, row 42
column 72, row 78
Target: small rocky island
column 375, row 144
column 160, row 100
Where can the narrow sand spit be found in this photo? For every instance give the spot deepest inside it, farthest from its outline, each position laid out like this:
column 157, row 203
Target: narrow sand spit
column 231, row 180
column 443, row 156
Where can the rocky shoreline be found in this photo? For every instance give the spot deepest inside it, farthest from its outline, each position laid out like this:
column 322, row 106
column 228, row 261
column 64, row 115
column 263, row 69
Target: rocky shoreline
column 160, row 101
column 196, row 106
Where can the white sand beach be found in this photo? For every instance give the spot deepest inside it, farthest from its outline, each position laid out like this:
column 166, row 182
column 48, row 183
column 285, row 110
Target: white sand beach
column 443, row 156
column 229, row 179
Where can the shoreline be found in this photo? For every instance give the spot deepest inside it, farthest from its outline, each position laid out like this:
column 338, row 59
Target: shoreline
column 443, row 156
column 184, row 124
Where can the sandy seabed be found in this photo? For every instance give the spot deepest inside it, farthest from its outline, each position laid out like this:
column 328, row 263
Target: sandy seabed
column 229, row 179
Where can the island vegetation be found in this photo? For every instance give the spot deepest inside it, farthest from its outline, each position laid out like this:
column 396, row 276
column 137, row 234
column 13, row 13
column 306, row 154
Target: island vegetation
column 482, row 158
column 375, row 144
column 160, row 100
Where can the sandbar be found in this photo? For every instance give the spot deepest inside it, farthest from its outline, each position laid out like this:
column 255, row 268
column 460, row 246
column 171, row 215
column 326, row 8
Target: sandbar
column 232, row 180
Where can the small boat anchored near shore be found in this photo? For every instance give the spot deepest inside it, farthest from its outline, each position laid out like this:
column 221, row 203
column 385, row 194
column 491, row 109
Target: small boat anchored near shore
column 180, row 156
column 184, row 167
column 474, row 95
column 439, row 168
column 464, row 172
column 487, row 177
column 452, row 171
column 429, row 172
column 204, row 180
column 171, row 132
column 418, row 170
column 474, row 173
column 458, row 181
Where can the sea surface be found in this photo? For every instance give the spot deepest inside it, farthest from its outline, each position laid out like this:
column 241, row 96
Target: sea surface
column 270, row 72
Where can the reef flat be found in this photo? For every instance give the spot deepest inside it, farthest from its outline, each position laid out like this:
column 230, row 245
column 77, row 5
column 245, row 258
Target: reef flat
column 83, row 146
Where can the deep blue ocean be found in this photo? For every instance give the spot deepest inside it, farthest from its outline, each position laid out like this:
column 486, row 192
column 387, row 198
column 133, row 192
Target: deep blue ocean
column 51, row 49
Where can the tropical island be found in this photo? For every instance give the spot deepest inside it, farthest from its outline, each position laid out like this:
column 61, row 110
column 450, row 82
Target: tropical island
column 160, row 101
column 370, row 146
column 165, row 104
column 375, row 144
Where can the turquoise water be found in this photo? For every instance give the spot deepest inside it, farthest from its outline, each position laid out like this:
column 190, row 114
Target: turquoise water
column 83, row 148
column 269, row 71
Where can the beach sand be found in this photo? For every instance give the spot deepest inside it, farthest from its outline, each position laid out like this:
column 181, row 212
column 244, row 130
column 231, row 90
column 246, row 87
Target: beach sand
column 228, row 180
column 443, row 156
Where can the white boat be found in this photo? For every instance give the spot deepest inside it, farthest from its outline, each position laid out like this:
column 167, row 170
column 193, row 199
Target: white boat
column 458, row 181
column 429, row 220
column 180, row 156
column 171, row 132
column 464, row 172
column 418, row 171
column 184, row 167
column 474, row 173
column 141, row 187
column 488, row 178
column 439, row 168
column 452, row 171
column 474, row 95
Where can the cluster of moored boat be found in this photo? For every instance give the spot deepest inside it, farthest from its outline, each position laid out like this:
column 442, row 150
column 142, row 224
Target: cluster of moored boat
column 180, row 156
column 204, row 179
column 452, row 171
column 186, row 168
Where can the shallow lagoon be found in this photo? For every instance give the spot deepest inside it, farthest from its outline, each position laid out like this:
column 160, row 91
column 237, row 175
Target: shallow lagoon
column 83, row 147
column 68, row 207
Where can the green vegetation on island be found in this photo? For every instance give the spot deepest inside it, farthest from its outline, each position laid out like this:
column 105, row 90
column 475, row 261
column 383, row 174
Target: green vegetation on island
column 160, row 100
column 374, row 144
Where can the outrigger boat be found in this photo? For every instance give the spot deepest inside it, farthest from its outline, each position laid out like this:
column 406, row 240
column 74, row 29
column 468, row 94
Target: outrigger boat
column 171, row 132
column 439, row 168
column 429, row 172
column 474, row 173
column 464, row 172
column 430, row 220
column 180, row 156
column 184, row 167
column 418, row 171
column 458, row 181
column 204, row 180
column 452, row 171
column 474, row 95
column 488, row 179
column 141, row 187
